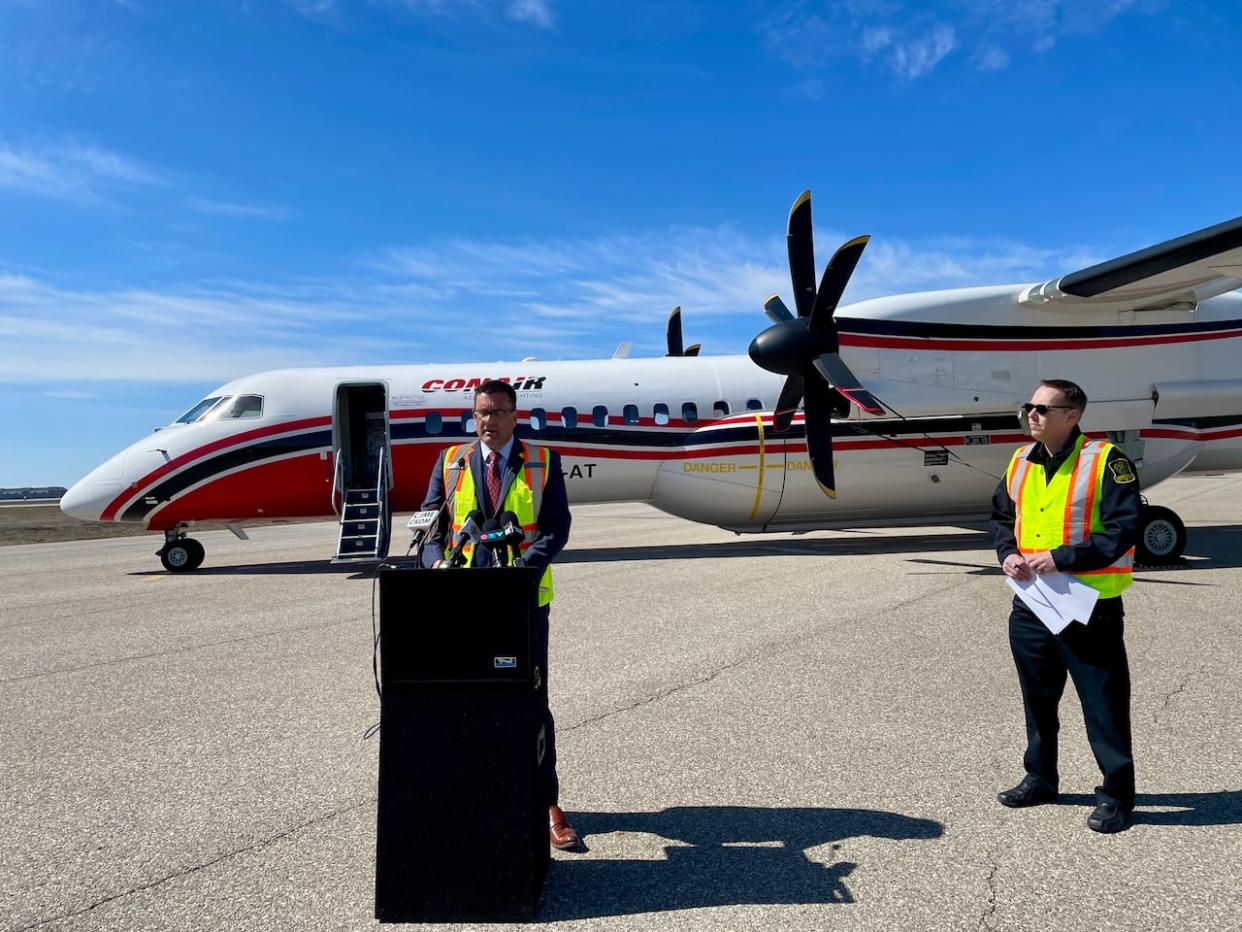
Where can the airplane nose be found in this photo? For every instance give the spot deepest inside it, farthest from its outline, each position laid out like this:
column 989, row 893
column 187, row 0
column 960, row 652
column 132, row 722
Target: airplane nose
column 88, row 497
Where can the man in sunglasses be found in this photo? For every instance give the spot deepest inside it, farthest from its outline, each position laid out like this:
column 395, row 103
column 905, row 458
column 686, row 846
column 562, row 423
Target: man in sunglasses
column 1069, row 504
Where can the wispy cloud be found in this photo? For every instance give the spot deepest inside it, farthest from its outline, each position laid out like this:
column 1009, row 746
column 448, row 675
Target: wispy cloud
column 911, row 39
column 536, row 12
column 243, row 211
column 74, row 172
column 909, row 57
column 464, row 299
column 314, row 9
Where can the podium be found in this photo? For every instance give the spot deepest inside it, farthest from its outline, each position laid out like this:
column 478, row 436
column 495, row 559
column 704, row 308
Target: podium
column 462, row 828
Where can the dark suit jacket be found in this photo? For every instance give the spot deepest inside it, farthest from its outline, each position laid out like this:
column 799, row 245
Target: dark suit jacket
column 554, row 518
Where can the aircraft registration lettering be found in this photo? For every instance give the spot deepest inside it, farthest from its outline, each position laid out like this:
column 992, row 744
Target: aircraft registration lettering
column 576, row 471
column 709, row 467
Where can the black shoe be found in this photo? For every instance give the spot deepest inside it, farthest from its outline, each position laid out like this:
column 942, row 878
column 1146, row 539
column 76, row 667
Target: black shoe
column 1030, row 792
column 1108, row 818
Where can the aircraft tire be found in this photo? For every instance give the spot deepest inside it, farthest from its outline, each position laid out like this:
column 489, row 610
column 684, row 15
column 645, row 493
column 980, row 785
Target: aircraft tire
column 182, row 556
column 1162, row 536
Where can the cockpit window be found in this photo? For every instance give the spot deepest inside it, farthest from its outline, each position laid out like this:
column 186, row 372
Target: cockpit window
column 199, row 410
column 249, row 406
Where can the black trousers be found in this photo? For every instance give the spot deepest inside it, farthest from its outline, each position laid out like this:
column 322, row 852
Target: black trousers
column 1094, row 655
column 539, row 657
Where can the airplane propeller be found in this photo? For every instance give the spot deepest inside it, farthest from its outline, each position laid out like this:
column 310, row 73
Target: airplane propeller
column 674, row 337
column 806, row 348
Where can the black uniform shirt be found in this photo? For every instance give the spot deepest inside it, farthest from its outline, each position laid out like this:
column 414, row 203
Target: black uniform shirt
column 1119, row 512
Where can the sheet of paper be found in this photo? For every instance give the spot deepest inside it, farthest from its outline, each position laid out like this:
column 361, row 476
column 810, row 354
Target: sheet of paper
column 1056, row 599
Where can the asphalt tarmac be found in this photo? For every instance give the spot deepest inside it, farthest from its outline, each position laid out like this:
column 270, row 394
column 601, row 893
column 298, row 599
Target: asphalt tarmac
column 782, row 732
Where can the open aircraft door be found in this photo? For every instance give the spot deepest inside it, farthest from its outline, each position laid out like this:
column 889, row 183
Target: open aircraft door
column 362, row 470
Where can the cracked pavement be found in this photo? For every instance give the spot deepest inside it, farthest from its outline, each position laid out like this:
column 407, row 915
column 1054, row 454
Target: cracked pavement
column 799, row 732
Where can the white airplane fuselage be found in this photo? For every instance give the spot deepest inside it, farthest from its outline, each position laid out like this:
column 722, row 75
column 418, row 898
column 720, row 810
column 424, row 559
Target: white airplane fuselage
column 954, row 366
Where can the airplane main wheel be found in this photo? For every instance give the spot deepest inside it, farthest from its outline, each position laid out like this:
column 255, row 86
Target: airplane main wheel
column 1162, row 536
column 182, row 556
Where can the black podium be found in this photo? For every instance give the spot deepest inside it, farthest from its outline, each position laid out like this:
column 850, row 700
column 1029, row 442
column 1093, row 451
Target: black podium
column 462, row 831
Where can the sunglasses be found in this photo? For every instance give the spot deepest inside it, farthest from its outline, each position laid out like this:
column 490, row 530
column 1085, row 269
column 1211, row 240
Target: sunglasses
column 1043, row 410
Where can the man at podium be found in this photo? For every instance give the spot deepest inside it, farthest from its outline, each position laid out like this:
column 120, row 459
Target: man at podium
column 494, row 475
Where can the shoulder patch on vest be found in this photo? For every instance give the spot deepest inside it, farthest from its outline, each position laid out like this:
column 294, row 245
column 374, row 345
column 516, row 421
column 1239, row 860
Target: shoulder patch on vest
column 1122, row 472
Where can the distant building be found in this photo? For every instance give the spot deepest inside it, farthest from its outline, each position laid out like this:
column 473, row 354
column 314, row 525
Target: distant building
column 32, row 492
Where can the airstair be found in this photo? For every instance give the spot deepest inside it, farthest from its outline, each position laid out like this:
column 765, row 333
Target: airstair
column 365, row 519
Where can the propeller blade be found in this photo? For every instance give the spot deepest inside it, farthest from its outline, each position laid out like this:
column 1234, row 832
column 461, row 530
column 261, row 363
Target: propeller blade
column 787, row 404
column 818, row 417
column 693, row 349
column 674, row 332
column 832, row 286
column 801, row 254
column 833, row 368
column 775, row 308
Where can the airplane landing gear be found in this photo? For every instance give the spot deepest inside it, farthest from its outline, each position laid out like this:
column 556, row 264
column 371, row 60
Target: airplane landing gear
column 180, row 554
column 1162, row 536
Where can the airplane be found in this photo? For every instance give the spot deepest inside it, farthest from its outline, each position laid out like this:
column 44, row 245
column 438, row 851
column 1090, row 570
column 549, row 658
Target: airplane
column 900, row 409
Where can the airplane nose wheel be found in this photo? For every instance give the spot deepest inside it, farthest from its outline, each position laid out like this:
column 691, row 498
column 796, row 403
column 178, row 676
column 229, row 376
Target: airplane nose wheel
column 1162, row 536
column 182, row 555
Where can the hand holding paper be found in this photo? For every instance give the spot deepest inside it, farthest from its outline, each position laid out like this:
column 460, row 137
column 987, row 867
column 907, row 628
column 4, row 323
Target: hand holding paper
column 1056, row 599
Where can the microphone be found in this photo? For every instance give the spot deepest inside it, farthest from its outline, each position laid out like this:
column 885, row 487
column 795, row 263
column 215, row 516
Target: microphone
column 514, row 535
column 423, row 524
column 493, row 538
column 469, row 534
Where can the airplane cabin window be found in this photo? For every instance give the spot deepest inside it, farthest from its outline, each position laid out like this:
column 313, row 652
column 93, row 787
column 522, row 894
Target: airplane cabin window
column 467, row 422
column 435, row 423
column 243, row 406
column 199, row 410
column 599, row 416
column 661, row 414
column 630, row 414
column 754, row 404
column 569, row 418
column 538, row 419
column 689, row 412
column 721, row 408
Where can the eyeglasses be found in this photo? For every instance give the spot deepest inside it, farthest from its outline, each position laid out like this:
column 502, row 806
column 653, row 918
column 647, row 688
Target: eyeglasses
column 493, row 412
column 1043, row 410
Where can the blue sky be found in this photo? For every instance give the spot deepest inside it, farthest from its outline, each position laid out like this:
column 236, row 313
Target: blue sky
column 190, row 191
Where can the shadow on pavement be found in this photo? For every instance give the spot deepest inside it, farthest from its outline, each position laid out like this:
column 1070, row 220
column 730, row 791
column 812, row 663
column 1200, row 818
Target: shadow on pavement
column 717, row 856
column 290, row 568
column 1209, row 548
column 1220, row 808
column 798, row 547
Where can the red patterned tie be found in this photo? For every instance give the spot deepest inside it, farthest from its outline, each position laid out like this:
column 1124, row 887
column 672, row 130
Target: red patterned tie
column 493, row 482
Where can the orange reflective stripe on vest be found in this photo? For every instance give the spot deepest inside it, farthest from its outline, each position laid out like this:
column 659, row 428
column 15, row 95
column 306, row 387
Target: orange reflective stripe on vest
column 524, row 498
column 1065, row 508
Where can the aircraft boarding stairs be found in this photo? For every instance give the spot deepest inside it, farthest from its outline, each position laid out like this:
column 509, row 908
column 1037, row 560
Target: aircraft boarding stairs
column 366, row 522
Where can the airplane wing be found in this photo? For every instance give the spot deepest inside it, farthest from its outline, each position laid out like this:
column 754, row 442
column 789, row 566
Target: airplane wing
column 1177, row 274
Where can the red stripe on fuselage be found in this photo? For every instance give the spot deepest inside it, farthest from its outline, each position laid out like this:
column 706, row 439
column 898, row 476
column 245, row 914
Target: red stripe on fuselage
column 296, row 487
column 109, row 513
column 300, row 486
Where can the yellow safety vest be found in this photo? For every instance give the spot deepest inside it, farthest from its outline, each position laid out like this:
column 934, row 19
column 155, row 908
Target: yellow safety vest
column 524, row 499
column 1066, row 509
